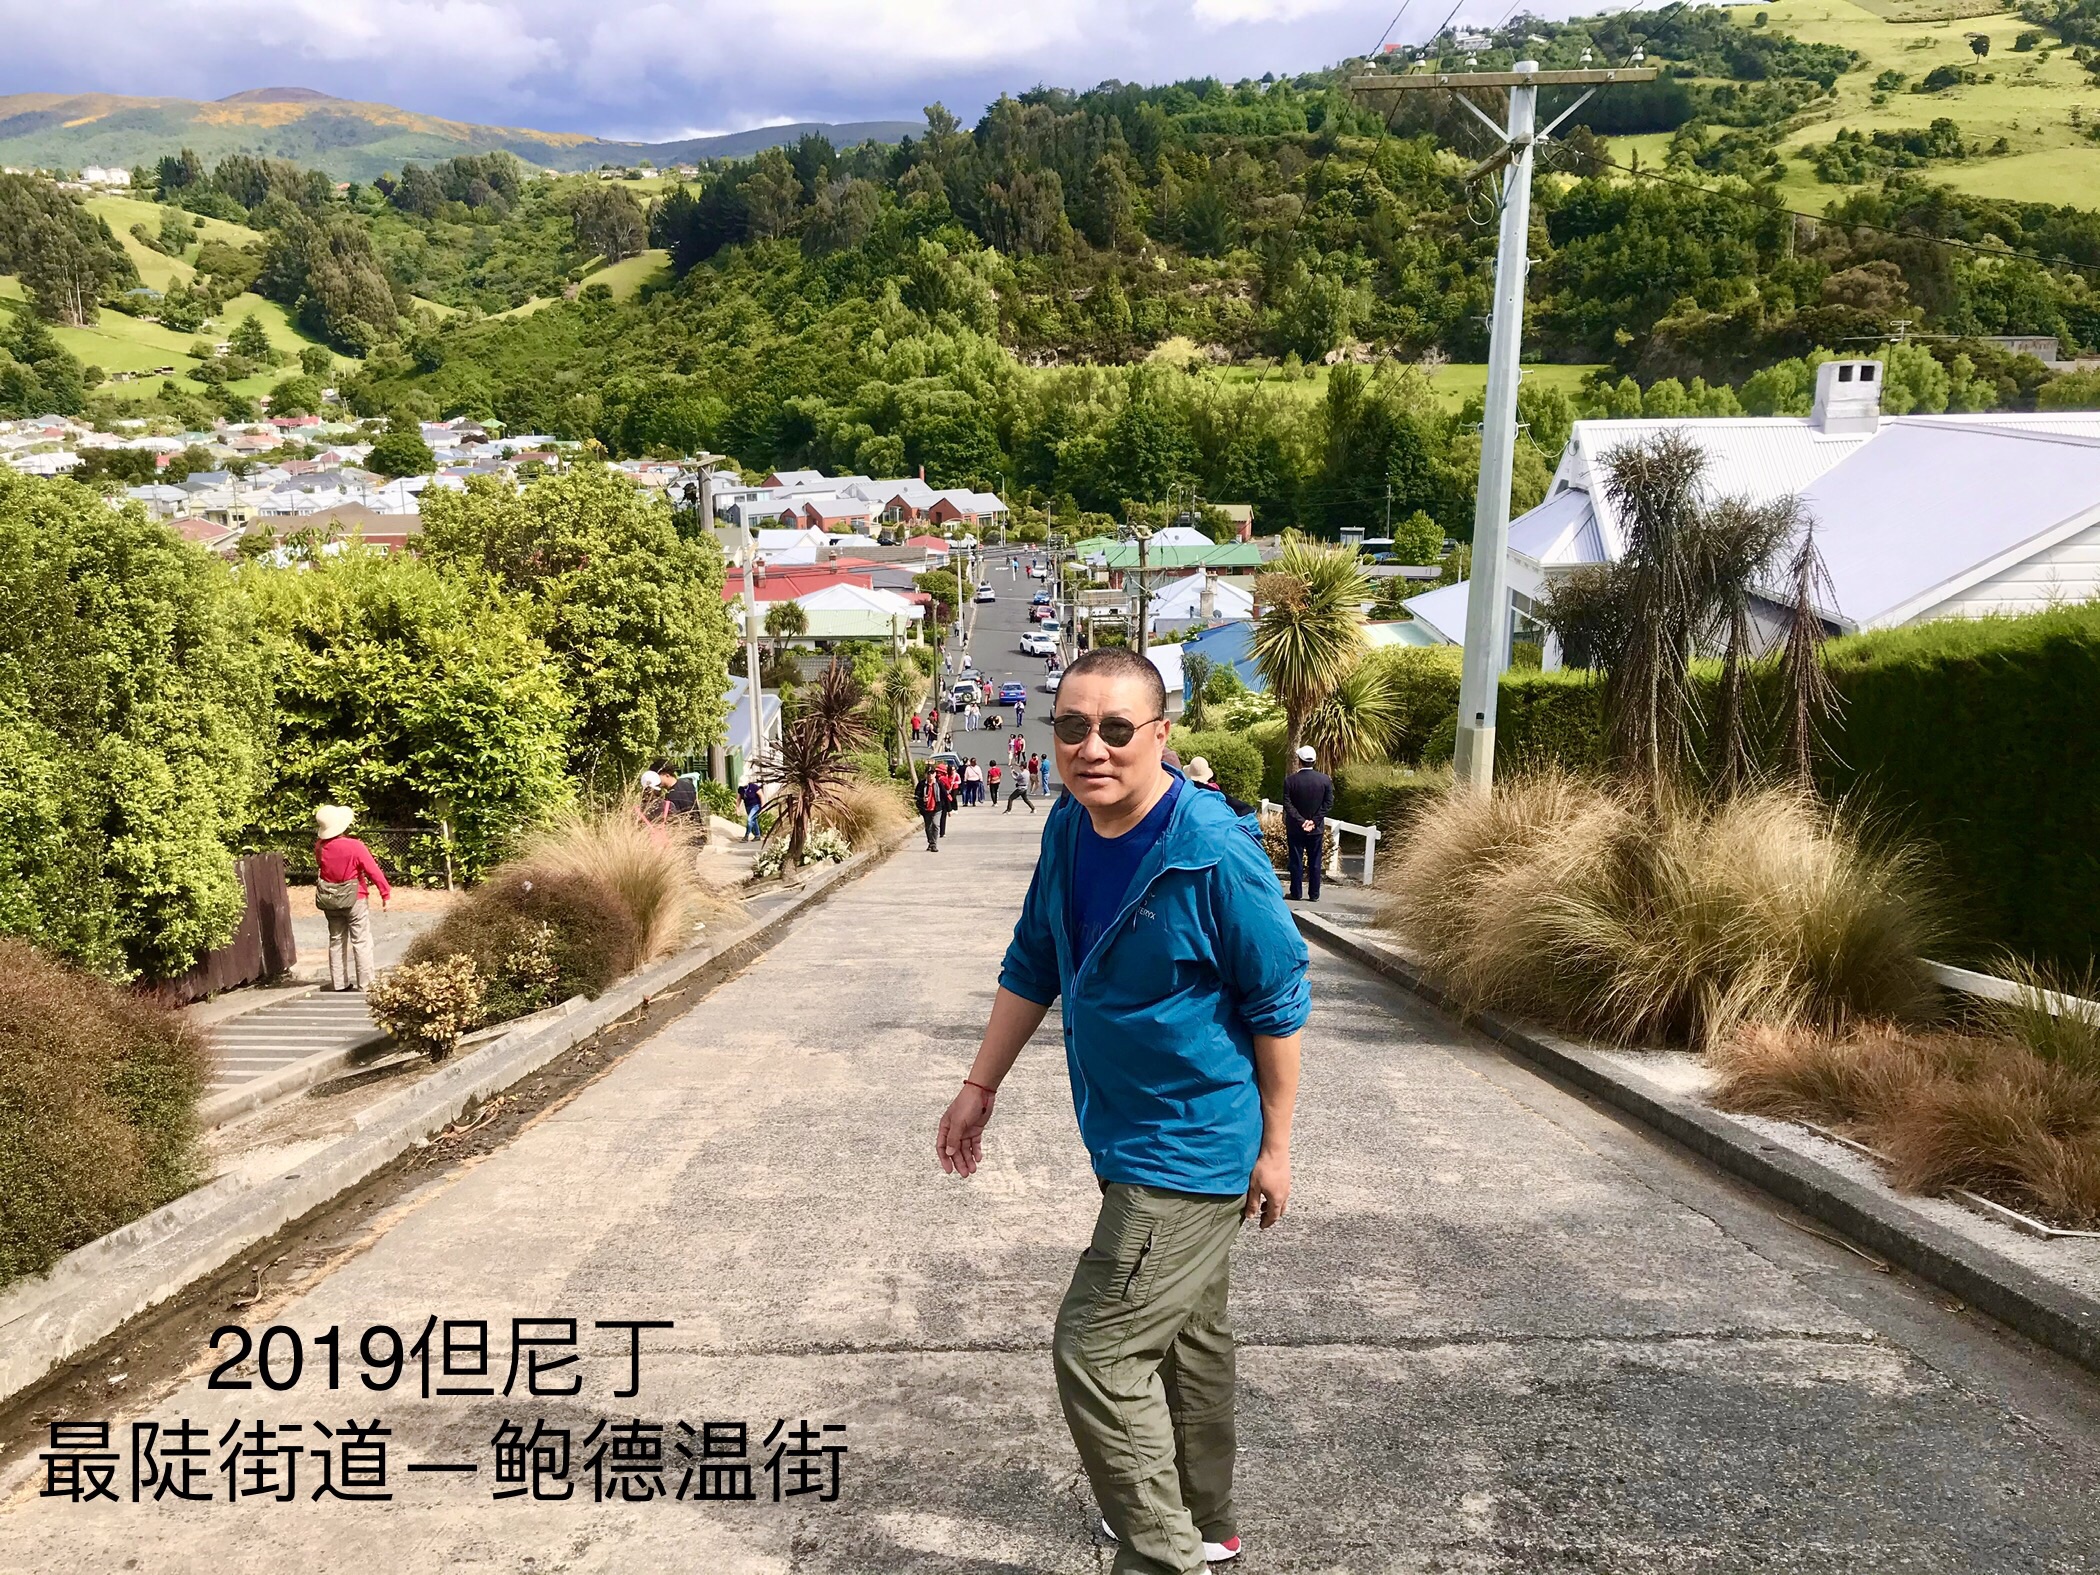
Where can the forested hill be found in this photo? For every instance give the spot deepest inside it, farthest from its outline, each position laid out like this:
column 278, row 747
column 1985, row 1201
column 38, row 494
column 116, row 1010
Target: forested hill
column 1090, row 297
column 348, row 139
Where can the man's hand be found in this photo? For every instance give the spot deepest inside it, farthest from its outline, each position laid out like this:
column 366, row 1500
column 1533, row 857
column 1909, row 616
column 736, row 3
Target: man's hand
column 1269, row 1189
column 1305, row 825
column 960, row 1145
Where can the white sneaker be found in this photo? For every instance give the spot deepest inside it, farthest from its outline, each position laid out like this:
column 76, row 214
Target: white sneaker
column 1213, row 1552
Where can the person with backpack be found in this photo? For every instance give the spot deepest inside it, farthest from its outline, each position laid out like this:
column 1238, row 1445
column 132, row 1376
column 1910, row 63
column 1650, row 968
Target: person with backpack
column 345, row 871
column 753, row 801
column 933, row 799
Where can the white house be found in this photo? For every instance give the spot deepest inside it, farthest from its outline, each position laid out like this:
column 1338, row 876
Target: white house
column 1199, row 598
column 854, row 612
column 1917, row 517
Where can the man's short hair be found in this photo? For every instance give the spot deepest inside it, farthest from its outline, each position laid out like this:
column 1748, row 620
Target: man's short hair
column 1119, row 661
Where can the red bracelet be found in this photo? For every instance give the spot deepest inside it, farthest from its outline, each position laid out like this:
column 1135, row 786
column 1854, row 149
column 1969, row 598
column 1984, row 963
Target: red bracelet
column 992, row 1092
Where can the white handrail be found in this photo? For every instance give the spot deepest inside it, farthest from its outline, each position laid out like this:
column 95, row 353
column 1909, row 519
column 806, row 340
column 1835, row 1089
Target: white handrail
column 1992, row 988
column 1334, row 863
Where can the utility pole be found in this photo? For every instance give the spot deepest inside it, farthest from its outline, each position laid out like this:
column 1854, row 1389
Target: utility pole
column 1487, row 602
column 1144, row 617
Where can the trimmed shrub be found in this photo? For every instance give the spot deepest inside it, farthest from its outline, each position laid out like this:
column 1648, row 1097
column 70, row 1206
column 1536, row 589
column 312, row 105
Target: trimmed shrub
column 1235, row 761
column 1424, row 685
column 536, row 936
column 1385, row 795
column 98, row 1100
column 1982, row 738
column 1544, row 720
column 1270, row 738
column 1671, row 923
column 428, row 1005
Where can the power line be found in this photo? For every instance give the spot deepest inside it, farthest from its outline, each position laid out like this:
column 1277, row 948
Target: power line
column 1388, row 33
column 1926, row 236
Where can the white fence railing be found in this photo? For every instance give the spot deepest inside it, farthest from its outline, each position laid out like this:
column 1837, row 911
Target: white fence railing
column 1334, row 862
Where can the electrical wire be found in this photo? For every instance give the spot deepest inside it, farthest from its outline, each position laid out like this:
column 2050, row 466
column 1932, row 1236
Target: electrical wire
column 1388, row 33
column 1925, row 236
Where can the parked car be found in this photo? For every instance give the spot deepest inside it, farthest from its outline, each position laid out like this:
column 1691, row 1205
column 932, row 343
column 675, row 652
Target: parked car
column 1039, row 599
column 1037, row 572
column 1037, row 643
column 985, row 593
column 1050, row 683
column 1038, row 614
column 964, row 692
column 1013, row 692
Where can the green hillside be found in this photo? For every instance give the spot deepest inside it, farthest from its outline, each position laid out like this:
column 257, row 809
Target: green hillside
column 352, row 141
column 2043, row 102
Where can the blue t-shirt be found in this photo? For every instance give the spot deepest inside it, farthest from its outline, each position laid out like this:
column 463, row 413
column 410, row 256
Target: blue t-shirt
column 1102, row 867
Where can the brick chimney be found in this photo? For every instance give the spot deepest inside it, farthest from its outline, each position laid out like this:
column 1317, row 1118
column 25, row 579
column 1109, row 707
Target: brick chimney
column 1848, row 398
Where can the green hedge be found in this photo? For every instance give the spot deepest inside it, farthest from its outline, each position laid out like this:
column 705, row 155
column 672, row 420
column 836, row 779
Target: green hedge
column 1236, row 762
column 1983, row 737
column 1383, row 794
column 1270, row 738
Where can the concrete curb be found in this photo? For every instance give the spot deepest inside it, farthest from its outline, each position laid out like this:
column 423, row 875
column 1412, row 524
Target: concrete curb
column 2047, row 1313
column 100, row 1287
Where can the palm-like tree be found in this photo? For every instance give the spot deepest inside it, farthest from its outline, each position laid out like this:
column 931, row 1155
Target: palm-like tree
column 1311, row 637
column 811, row 764
column 899, row 693
column 1359, row 720
column 1685, row 587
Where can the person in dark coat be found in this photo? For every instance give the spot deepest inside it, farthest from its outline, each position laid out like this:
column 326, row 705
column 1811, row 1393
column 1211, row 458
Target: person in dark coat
column 1308, row 799
column 934, row 800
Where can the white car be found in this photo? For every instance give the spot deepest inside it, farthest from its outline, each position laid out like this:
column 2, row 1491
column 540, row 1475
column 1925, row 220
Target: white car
column 1050, row 683
column 986, row 594
column 1037, row 643
column 1037, row 572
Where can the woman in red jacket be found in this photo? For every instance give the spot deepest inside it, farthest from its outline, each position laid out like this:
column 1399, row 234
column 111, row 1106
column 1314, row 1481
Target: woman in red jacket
column 346, row 865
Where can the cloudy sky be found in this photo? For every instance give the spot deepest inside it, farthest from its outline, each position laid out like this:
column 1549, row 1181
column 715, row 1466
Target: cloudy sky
column 647, row 68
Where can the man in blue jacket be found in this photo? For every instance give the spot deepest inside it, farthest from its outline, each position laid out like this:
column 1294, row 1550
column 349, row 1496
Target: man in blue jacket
column 1155, row 916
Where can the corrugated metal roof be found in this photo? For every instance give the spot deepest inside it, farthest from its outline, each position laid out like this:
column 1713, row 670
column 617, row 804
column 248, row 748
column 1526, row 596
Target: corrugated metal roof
column 1443, row 610
column 1933, row 503
column 1562, row 530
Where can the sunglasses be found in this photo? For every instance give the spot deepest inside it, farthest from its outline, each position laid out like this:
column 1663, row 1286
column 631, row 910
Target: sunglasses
column 1116, row 731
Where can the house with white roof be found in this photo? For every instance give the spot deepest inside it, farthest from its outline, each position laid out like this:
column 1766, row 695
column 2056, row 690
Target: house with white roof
column 1199, row 599
column 855, row 612
column 1917, row 517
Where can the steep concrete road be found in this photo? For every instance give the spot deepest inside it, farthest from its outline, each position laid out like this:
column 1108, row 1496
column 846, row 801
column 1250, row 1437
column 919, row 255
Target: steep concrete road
column 1498, row 1331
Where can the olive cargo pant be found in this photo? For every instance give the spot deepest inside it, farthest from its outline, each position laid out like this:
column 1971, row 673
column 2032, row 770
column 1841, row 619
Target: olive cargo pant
column 1144, row 1358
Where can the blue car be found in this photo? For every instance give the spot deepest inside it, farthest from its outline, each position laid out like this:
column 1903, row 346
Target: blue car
column 1012, row 693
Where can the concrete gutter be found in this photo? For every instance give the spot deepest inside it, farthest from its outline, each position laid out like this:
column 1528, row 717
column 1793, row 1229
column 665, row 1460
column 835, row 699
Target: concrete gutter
column 2045, row 1312
column 100, row 1287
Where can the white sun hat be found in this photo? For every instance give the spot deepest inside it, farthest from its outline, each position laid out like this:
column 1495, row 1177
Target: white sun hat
column 332, row 820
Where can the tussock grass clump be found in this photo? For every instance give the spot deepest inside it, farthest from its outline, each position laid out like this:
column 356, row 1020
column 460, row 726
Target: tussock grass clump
column 865, row 813
column 649, row 868
column 98, row 1101
column 1659, row 921
column 1983, row 1112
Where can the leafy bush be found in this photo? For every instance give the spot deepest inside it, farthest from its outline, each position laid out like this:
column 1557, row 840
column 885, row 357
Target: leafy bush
column 1236, row 762
column 428, row 1003
column 532, row 939
column 98, row 1097
column 1269, row 737
column 410, row 695
column 721, row 798
column 1423, row 681
column 824, row 846
column 1385, row 795
column 1671, row 921
column 134, row 733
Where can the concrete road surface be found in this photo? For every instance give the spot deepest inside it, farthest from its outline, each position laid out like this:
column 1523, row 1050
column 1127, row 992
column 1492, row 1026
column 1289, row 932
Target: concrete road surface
column 1498, row 1330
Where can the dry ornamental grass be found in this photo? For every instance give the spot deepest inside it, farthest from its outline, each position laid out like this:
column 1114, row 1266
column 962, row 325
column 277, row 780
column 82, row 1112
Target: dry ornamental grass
column 1671, row 922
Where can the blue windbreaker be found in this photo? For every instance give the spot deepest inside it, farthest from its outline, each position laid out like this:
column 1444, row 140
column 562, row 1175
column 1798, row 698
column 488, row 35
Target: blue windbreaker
column 1160, row 1017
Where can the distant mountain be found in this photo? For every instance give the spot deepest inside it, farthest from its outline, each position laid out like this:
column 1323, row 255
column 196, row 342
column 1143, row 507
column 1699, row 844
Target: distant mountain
column 350, row 140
